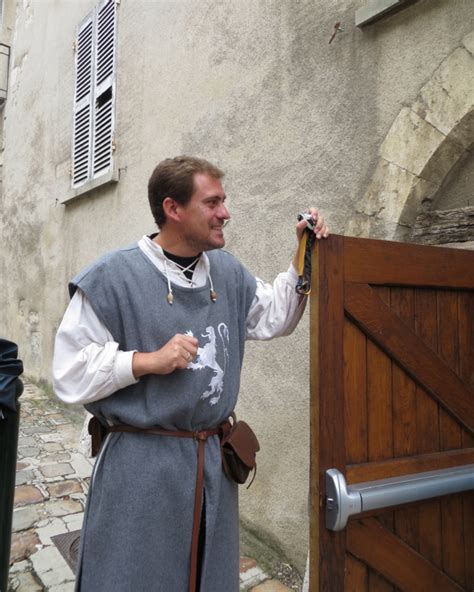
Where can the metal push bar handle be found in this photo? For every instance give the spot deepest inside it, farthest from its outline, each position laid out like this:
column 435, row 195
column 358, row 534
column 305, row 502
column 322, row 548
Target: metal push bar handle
column 343, row 501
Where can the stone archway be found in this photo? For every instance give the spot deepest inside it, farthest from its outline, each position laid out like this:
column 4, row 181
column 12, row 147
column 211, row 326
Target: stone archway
column 425, row 141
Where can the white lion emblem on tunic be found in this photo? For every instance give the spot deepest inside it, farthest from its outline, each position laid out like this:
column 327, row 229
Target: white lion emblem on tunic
column 206, row 357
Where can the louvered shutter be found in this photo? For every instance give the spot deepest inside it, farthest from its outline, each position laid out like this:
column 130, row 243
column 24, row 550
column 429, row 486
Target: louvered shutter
column 82, row 134
column 104, row 88
column 94, row 95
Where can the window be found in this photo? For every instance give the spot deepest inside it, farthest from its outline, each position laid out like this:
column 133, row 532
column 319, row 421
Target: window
column 94, row 95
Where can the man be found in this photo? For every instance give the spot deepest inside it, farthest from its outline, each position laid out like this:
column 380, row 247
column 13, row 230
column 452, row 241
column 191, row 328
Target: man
column 154, row 337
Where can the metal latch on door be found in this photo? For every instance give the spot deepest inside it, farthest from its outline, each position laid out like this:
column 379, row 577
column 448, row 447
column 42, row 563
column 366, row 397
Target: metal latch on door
column 343, row 501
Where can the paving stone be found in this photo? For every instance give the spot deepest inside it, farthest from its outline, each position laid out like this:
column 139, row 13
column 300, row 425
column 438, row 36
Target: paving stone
column 66, row 587
column 82, row 467
column 56, row 470
column 252, row 577
column 26, row 441
column 63, row 507
column 25, row 518
column 66, row 428
column 21, row 465
column 25, row 582
column 26, row 421
column 56, row 457
column 53, row 437
column 47, row 559
column 20, row 566
column 23, row 477
column 271, row 586
column 247, row 563
column 73, row 518
column 28, row 451
column 64, row 488
column 55, row 526
column 52, row 447
column 58, row 419
column 23, row 545
column 37, row 429
column 75, row 522
column 57, row 576
column 27, row 494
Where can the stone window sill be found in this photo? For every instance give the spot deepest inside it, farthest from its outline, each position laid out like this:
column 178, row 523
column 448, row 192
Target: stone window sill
column 90, row 186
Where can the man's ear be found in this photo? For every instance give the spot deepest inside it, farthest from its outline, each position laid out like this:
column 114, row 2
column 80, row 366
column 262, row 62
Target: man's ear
column 170, row 208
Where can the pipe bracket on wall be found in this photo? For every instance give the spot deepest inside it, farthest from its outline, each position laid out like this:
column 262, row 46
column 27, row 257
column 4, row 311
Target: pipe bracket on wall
column 343, row 501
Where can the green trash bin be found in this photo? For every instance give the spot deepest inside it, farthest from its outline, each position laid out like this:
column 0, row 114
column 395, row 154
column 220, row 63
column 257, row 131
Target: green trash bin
column 11, row 388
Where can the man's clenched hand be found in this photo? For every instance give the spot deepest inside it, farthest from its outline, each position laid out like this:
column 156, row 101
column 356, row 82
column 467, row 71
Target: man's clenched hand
column 174, row 355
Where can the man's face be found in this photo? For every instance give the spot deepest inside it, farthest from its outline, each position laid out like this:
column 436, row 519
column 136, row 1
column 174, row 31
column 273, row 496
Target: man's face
column 204, row 215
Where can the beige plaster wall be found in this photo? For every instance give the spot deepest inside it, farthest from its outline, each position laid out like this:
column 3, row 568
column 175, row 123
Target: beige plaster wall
column 252, row 86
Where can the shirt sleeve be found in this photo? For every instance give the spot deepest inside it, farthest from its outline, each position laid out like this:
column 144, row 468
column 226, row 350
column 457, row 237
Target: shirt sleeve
column 87, row 363
column 276, row 308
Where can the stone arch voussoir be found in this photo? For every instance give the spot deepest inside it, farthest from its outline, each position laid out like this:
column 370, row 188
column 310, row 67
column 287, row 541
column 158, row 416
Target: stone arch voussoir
column 423, row 144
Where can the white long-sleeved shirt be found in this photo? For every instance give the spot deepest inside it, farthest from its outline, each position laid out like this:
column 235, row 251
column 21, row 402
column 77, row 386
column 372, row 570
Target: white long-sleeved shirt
column 88, row 365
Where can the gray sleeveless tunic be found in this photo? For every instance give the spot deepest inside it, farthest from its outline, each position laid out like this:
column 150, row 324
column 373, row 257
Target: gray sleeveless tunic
column 137, row 529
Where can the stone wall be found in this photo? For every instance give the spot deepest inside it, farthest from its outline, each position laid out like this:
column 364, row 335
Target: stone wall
column 367, row 127
column 425, row 143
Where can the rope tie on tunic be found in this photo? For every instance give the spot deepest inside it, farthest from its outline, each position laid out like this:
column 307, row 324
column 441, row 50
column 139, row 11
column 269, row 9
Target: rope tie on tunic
column 187, row 273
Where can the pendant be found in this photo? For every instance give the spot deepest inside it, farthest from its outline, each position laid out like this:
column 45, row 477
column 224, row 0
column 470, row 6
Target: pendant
column 213, row 295
column 170, row 298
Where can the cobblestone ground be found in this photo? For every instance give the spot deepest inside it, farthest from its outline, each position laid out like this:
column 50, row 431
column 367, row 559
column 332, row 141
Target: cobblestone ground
column 53, row 476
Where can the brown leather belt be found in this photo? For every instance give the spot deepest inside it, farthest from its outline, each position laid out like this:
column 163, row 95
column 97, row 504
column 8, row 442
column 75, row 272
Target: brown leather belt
column 200, row 436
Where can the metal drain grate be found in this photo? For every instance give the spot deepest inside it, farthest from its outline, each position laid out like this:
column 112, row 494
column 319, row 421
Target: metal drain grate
column 68, row 545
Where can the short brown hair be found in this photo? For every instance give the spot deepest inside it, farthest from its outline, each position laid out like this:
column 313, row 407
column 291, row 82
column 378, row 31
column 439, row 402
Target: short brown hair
column 174, row 177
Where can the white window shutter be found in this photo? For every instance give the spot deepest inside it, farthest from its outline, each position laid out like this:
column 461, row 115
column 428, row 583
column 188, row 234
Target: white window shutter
column 94, row 95
column 104, row 87
column 82, row 133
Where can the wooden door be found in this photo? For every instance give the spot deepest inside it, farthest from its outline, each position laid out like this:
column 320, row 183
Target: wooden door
column 392, row 393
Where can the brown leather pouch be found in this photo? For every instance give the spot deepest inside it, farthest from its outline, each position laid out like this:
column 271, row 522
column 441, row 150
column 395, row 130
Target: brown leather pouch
column 98, row 432
column 239, row 446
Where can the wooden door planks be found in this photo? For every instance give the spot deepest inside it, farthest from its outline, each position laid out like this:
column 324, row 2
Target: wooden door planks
column 401, row 264
column 466, row 370
column 327, row 410
column 407, row 354
column 380, row 422
column 402, row 302
column 427, row 420
column 355, row 393
column 356, row 575
column 452, row 519
column 427, row 409
column 394, row 467
column 423, row 365
column 384, row 552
